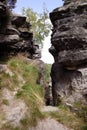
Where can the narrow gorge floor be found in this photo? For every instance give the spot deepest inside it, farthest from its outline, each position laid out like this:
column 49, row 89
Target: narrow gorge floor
column 49, row 123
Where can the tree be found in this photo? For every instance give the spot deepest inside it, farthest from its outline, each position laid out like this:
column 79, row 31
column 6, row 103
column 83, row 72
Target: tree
column 40, row 23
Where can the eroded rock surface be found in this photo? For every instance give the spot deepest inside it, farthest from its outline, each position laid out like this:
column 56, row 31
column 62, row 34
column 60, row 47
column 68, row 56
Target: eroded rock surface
column 15, row 35
column 69, row 48
column 49, row 124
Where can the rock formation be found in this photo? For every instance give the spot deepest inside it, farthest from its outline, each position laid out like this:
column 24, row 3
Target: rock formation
column 69, row 49
column 15, row 35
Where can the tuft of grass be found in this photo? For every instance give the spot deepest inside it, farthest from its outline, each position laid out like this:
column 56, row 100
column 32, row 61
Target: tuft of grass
column 24, row 81
column 5, row 102
column 8, row 126
column 84, row 127
column 32, row 119
column 69, row 119
column 81, row 110
column 47, row 71
column 32, row 96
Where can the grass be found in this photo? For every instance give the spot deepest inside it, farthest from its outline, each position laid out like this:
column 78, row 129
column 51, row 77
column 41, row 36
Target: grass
column 8, row 126
column 5, row 102
column 24, row 80
column 82, row 110
column 22, row 71
column 69, row 119
column 32, row 96
column 32, row 119
column 47, row 71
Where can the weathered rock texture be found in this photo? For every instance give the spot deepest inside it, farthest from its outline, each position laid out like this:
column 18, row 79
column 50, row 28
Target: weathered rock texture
column 69, row 48
column 49, row 124
column 15, row 35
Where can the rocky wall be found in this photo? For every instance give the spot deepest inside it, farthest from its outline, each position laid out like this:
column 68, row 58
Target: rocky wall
column 15, row 35
column 69, row 49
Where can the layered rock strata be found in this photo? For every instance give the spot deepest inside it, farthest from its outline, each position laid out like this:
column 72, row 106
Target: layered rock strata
column 69, row 49
column 15, row 35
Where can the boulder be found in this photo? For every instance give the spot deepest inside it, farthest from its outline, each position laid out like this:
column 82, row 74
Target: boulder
column 68, row 86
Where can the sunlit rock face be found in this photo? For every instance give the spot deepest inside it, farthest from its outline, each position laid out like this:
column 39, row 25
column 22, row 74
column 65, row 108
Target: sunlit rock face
column 69, row 35
column 69, row 49
column 15, row 35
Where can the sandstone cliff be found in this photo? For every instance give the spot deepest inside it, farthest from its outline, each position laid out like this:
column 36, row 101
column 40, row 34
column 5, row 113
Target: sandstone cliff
column 69, row 49
column 23, row 85
column 21, row 78
column 15, row 35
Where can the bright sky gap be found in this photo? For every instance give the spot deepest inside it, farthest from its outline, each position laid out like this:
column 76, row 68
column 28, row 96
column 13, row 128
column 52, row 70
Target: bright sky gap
column 37, row 6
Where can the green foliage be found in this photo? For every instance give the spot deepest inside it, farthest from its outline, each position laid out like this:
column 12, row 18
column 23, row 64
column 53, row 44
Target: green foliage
column 29, row 74
column 47, row 72
column 40, row 23
column 33, row 97
column 24, row 80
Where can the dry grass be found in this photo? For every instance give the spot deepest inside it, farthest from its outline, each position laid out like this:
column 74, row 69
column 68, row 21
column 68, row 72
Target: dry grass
column 24, row 80
column 69, row 119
